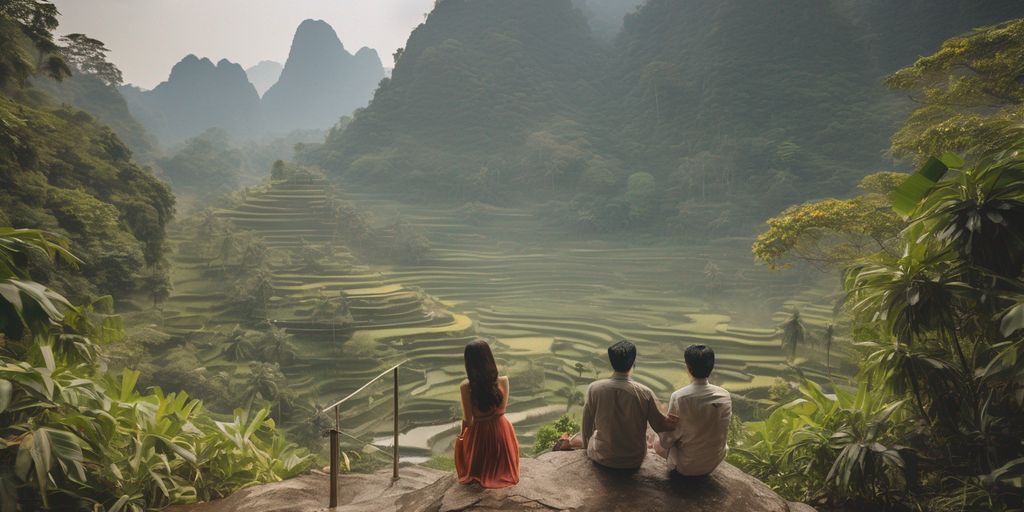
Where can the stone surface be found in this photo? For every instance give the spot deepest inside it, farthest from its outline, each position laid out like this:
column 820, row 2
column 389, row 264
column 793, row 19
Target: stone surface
column 800, row 507
column 419, row 490
column 570, row 481
column 554, row 481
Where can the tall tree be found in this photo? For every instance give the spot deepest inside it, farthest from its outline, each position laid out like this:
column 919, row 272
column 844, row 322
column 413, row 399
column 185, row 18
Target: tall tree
column 969, row 94
column 89, row 56
column 792, row 334
column 26, row 41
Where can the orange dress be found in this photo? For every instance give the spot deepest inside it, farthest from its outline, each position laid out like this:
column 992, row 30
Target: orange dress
column 487, row 452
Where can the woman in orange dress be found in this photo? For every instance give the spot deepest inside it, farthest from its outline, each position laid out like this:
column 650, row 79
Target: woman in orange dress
column 487, row 451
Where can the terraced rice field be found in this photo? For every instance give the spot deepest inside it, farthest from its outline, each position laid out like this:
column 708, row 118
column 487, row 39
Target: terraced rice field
column 548, row 300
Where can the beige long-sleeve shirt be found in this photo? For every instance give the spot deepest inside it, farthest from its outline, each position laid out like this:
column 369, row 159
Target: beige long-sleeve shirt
column 615, row 418
column 698, row 443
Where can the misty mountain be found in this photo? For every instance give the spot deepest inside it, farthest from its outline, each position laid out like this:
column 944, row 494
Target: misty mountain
column 264, row 75
column 710, row 103
column 197, row 96
column 474, row 82
column 321, row 81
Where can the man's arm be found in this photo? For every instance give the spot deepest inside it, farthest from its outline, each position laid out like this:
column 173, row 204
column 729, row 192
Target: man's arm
column 588, row 416
column 658, row 421
column 667, row 439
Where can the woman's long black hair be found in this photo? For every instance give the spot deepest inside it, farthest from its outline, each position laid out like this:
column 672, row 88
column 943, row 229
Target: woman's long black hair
column 483, row 375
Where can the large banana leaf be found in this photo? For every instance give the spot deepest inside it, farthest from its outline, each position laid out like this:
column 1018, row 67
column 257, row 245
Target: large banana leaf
column 909, row 194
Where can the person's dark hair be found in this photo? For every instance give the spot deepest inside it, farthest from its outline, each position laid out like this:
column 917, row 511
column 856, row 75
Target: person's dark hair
column 622, row 356
column 700, row 359
column 482, row 373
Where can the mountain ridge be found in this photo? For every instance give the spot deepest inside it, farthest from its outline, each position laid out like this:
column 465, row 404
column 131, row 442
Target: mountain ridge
column 321, row 81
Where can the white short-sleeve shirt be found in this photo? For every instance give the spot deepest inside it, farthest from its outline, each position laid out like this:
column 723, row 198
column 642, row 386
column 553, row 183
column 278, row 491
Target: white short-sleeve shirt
column 698, row 444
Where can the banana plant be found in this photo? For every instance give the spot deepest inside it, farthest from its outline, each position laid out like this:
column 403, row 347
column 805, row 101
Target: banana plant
column 73, row 437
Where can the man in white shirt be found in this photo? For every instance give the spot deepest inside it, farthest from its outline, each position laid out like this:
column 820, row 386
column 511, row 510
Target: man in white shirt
column 698, row 443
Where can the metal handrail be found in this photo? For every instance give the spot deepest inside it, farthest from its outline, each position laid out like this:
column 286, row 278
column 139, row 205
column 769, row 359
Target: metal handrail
column 371, row 381
column 334, row 432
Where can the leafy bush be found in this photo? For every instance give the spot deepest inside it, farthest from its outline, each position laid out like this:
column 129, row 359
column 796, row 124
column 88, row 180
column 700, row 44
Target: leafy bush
column 72, row 436
column 939, row 323
column 548, row 435
column 843, row 445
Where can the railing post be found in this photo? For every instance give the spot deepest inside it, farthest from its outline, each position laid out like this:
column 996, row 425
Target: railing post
column 335, row 449
column 394, row 470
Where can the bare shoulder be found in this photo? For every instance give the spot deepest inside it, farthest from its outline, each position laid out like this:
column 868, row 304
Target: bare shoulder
column 464, row 384
column 503, row 380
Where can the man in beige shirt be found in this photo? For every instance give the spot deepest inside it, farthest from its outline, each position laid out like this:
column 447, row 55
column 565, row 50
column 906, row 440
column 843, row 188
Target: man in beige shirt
column 617, row 412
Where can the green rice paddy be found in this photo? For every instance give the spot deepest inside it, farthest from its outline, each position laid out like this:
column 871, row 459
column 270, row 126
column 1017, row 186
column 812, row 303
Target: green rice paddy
column 547, row 299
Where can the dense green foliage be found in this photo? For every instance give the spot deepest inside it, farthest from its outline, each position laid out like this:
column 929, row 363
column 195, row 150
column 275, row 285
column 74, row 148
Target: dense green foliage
column 940, row 328
column 62, row 171
column 26, row 31
column 67, row 173
column 832, row 233
column 103, row 101
column 549, row 434
column 845, row 445
column 969, row 94
column 73, row 436
column 935, row 303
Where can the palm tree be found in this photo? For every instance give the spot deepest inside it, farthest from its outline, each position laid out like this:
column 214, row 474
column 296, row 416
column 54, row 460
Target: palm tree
column 980, row 213
column 330, row 308
column 238, row 346
column 264, row 382
column 793, row 333
column 915, row 297
column 276, row 346
column 253, row 251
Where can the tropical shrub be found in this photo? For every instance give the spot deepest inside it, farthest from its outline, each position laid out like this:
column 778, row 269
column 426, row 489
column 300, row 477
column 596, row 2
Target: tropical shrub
column 940, row 327
column 548, row 434
column 74, row 437
column 945, row 313
column 845, row 445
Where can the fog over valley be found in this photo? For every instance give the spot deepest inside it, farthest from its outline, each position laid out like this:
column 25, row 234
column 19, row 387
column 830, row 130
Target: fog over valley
column 242, row 241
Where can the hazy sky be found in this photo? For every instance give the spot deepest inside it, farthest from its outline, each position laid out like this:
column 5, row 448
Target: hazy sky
column 147, row 37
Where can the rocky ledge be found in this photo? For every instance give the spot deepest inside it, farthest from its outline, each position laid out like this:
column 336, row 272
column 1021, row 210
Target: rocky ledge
column 554, row 481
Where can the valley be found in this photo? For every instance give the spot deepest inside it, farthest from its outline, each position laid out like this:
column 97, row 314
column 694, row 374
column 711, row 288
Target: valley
column 550, row 302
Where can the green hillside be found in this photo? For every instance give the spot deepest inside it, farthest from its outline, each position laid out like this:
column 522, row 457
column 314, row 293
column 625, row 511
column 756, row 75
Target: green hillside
column 472, row 85
column 723, row 109
column 65, row 172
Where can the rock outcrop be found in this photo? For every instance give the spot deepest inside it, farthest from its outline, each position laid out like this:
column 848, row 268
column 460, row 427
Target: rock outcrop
column 554, row 481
